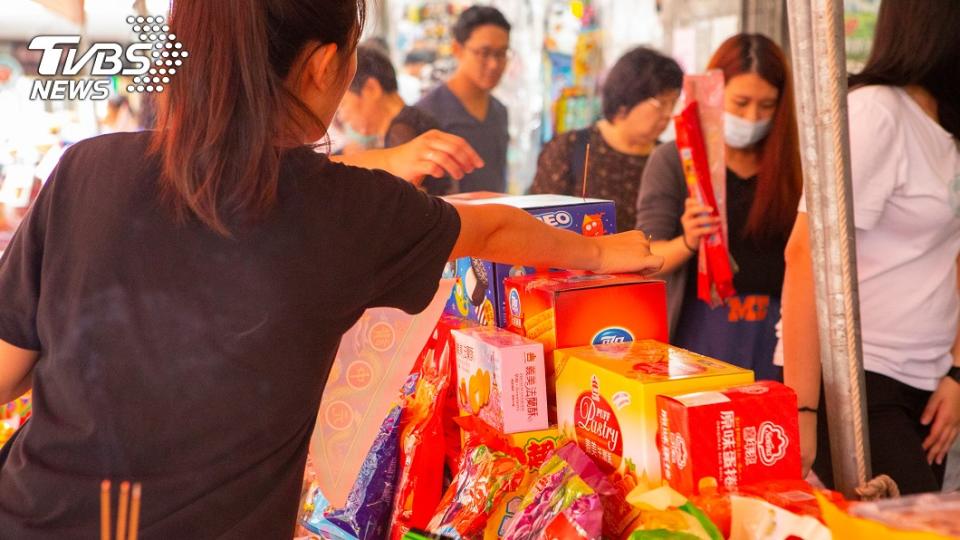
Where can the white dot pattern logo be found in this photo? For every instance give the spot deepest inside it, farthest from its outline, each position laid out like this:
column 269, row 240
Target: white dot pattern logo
column 153, row 30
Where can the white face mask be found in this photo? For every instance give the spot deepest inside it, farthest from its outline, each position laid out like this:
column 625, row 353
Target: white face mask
column 740, row 133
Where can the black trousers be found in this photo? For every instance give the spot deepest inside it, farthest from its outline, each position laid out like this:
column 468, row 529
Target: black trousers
column 896, row 436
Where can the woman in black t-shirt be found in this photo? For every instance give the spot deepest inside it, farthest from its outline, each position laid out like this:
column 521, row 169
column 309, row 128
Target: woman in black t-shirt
column 763, row 188
column 175, row 299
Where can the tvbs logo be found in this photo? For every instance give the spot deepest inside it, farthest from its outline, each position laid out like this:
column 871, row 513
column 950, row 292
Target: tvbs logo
column 151, row 61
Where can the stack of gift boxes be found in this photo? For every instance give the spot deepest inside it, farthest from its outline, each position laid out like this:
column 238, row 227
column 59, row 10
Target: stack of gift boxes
column 558, row 409
column 562, row 356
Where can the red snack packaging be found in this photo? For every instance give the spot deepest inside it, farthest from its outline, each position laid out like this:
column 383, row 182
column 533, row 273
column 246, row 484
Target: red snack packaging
column 734, row 437
column 795, row 496
column 714, row 271
column 422, row 441
column 571, row 309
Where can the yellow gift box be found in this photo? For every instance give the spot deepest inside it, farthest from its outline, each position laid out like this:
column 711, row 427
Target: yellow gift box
column 607, row 400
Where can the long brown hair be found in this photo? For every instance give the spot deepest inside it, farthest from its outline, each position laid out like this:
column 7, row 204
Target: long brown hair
column 780, row 179
column 917, row 43
column 221, row 118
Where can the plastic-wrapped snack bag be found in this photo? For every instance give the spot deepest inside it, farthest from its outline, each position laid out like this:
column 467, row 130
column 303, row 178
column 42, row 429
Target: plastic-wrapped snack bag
column 484, row 479
column 560, row 498
column 755, row 519
column 795, row 496
column 664, row 513
column 369, row 503
column 422, row 445
column 919, row 517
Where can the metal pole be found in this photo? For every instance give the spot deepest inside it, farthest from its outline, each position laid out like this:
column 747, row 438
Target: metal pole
column 819, row 74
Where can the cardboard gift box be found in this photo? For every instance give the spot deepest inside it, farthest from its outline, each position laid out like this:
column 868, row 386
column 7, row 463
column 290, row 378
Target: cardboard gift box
column 477, row 294
column 733, row 437
column 606, row 402
column 501, row 379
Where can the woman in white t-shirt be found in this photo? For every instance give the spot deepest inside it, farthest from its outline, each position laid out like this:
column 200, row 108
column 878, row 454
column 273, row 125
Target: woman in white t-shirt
column 905, row 162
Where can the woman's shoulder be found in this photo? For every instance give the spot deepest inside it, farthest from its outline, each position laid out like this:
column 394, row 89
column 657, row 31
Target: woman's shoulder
column 132, row 145
column 884, row 100
column 664, row 161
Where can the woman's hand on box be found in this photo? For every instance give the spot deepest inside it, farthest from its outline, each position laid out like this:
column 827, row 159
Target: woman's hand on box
column 627, row 252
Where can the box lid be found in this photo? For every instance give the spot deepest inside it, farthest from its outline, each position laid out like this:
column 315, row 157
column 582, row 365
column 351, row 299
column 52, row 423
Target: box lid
column 526, row 202
column 756, row 390
column 573, row 281
column 497, row 337
column 647, row 361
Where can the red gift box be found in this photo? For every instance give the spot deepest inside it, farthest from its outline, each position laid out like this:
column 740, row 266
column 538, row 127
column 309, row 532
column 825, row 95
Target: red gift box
column 735, row 437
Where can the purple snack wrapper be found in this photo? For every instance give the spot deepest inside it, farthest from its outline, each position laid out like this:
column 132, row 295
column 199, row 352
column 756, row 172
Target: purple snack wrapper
column 554, row 494
column 586, row 469
column 366, row 514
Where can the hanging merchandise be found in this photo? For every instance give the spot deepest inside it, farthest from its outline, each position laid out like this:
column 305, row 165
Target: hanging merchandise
column 572, row 63
column 700, row 143
column 423, row 42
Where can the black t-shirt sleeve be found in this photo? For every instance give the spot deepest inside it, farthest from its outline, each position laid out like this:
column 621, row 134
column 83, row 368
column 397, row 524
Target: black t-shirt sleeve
column 411, row 243
column 20, row 270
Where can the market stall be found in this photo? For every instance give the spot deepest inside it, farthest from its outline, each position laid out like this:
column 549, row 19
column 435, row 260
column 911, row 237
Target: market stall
column 529, row 403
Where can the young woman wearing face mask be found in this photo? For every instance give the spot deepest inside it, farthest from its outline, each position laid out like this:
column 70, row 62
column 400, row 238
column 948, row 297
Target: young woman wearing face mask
column 763, row 186
column 176, row 298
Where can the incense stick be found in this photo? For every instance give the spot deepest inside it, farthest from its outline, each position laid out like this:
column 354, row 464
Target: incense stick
column 586, row 169
column 122, row 508
column 134, row 513
column 105, row 510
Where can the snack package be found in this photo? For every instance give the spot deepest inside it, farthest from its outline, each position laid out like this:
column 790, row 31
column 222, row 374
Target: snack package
column 484, row 479
column 740, row 435
column 501, row 379
column 929, row 515
column 795, row 496
column 417, row 534
column 13, row 415
column 664, row 513
column 508, row 507
column 422, row 445
column 606, row 402
column 755, row 519
column 573, row 309
column 535, row 447
column 561, row 499
column 367, row 512
column 373, row 363
column 707, row 90
column 478, row 293
column 716, row 506
column 714, row 268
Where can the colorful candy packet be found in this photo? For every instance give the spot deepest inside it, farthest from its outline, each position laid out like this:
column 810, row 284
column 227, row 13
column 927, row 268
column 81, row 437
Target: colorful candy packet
column 485, row 478
column 565, row 497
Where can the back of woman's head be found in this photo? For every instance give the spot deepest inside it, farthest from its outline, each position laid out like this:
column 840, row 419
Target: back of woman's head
column 638, row 75
column 780, row 179
column 226, row 116
column 917, row 42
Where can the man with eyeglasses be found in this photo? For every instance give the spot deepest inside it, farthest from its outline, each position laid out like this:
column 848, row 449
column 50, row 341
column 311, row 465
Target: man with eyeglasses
column 465, row 106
